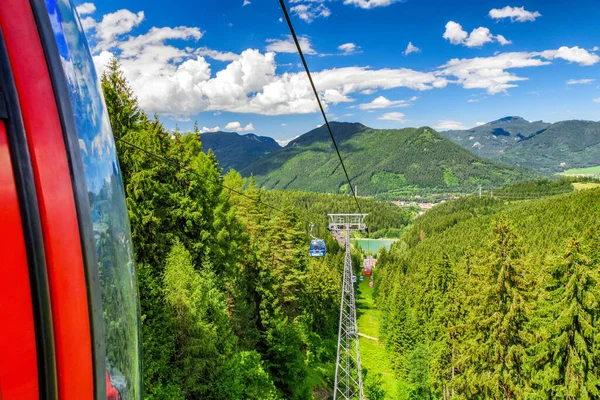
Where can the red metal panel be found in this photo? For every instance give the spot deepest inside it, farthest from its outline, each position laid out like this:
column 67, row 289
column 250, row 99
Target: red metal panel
column 18, row 360
column 56, row 203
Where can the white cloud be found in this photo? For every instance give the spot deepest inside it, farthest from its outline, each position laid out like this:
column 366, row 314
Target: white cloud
column 216, row 55
column 595, row 48
column 280, row 20
column 288, row 45
column 348, row 115
column 476, row 100
column 479, row 123
column 283, row 124
column 491, row 73
column 370, row 3
column 393, row 116
column 335, row 96
column 596, row 100
column 410, row 48
column 311, row 11
column 237, row 127
column 455, row 34
column 205, row 129
column 502, row 40
column 136, row 45
column 88, row 23
column 348, row 48
column 579, row 81
column 85, row 9
column 448, row 125
column 246, row 3
column 285, row 142
column 381, row 102
column 115, row 24
column 518, row 14
column 181, row 82
column 572, row 54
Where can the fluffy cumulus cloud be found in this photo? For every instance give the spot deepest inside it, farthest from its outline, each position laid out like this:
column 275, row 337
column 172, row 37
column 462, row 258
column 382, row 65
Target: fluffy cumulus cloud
column 288, row 45
column 206, row 130
column 86, row 8
column 596, row 100
column 411, row 48
column 308, row 11
column 580, row 81
column 246, row 3
column 516, row 14
column 448, row 125
column 180, row 81
column 382, row 102
column 392, row 116
column 113, row 25
column 237, row 127
column 492, row 73
column 455, row 34
column 572, row 54
column 370, row 3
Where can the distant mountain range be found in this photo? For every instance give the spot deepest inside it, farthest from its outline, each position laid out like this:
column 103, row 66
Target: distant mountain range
column 378, row 160
column 500, row 152
column 234, row 151
column 544, row 147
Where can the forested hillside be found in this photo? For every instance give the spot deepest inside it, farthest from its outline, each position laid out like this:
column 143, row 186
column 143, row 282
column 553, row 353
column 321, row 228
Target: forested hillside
column 232, row 307
column 234, row 151
column 563, row 145
column 496, row 137
column 379, row 161
column 384, row 218
column 484, row 298
column 546, row 148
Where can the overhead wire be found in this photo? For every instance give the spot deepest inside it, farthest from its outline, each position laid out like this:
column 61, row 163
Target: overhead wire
column 312, row 84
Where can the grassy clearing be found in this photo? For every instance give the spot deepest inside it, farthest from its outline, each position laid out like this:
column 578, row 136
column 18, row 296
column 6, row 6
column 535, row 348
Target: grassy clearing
column 373, row 355
column 585, row 185
column 582, row 171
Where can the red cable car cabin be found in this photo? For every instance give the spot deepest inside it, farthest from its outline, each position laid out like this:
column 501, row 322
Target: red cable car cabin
column 368, row 264
column 68, row 302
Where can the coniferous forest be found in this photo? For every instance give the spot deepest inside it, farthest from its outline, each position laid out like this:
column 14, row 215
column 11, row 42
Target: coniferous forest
column 231, row 305
column 493, row 297
column 489, row 299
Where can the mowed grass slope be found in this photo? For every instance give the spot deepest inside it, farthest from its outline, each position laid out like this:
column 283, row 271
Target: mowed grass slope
column 373, row 355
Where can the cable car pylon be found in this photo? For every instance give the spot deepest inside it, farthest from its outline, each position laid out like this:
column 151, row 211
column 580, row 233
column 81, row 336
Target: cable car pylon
column 348, row 377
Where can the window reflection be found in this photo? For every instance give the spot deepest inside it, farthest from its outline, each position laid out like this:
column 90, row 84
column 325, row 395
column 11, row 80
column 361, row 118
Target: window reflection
column 107, row 204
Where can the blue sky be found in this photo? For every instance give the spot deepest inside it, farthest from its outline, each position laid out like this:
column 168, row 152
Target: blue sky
column 230, row 64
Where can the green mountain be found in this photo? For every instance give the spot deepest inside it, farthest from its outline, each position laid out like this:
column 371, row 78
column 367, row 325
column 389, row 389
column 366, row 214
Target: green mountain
column 496, row 137
column 234, row 151
column 547, row 148
column 563, row 145
column 378, row 161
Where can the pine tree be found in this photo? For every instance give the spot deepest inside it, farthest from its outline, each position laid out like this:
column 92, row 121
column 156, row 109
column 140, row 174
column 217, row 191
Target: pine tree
column 494, row 344
column 566, row 362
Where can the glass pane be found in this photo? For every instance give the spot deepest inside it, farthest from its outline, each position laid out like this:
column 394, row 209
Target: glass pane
column 107, row 203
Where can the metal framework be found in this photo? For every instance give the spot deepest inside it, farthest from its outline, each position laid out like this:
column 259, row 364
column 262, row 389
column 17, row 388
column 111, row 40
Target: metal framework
column 348, row 376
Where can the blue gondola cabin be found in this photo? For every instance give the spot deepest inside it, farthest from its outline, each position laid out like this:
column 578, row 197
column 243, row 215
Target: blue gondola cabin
column 317, row 248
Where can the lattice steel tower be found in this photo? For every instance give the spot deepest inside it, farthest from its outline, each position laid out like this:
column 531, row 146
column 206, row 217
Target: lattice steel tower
column 348, row 377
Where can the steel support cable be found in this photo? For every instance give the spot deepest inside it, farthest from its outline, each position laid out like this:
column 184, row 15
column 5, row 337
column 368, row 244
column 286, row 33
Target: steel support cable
column 312, row 84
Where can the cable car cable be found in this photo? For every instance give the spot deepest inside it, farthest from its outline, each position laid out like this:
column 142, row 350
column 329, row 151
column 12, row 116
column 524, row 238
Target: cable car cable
column 293, row 32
